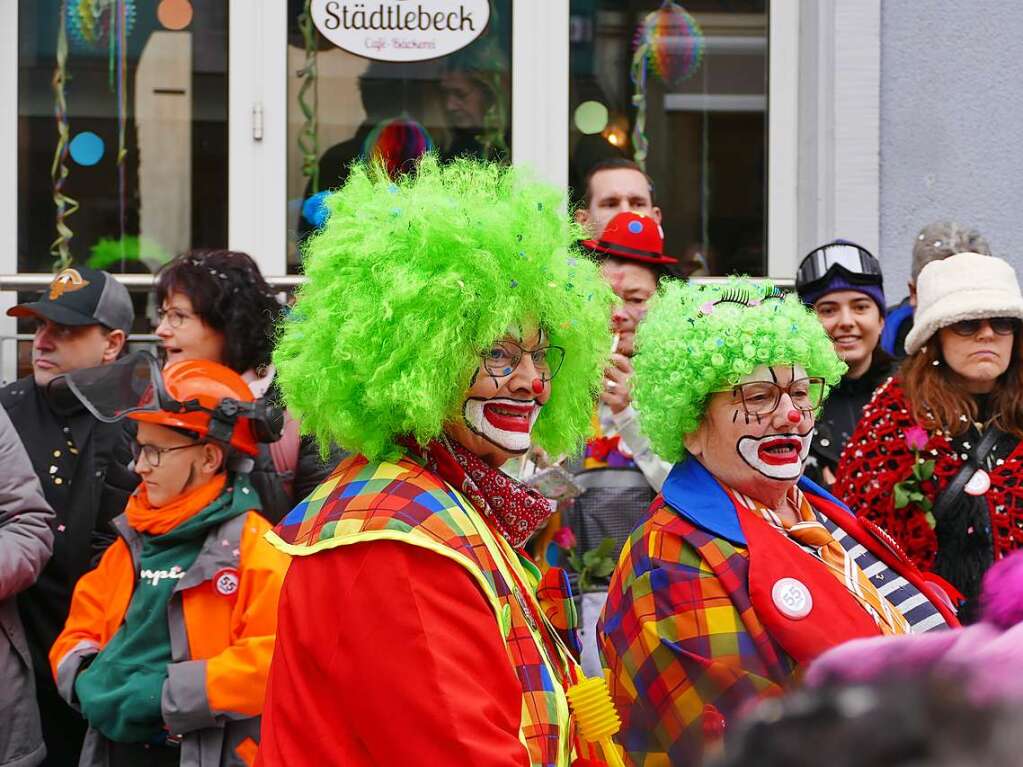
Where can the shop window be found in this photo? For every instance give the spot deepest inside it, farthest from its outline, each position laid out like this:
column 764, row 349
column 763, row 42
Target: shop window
column 705, row 121
column 134, row 130
column 342, row 108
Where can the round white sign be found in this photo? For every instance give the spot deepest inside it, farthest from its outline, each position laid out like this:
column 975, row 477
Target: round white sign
column 792, row 598
column 401, row 30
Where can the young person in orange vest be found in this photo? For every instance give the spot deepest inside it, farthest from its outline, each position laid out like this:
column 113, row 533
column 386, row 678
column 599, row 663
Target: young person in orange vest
column 168, row 642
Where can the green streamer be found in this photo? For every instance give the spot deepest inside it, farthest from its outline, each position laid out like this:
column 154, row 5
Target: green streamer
column 65, row 206
column 308, row 137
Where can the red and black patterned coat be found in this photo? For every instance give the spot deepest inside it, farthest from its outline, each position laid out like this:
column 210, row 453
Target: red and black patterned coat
column 877, row 457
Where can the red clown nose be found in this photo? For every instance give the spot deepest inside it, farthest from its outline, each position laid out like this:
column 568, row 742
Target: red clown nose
column 795, row 416
column 537, row 386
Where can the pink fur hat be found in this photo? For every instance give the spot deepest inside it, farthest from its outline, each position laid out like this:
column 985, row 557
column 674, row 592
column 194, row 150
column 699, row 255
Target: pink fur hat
column 987, row 656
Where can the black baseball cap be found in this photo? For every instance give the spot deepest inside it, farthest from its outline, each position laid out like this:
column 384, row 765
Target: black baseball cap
column 82, row 296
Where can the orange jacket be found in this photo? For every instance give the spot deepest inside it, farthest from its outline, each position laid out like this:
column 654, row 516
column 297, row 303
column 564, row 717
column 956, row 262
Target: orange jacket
column 223, row 622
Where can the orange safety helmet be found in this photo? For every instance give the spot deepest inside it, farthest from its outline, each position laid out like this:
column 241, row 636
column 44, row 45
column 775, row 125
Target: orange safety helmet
column 206, row 384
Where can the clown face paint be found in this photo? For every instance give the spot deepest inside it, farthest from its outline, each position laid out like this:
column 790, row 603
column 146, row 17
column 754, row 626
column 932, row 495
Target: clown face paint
column 504, row 421
column 776, row 456
column 759, row 455
column 502, row 405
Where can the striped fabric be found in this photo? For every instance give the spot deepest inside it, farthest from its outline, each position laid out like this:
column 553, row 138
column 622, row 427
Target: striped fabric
column 915, row 608
column 813, row 537
column 919, row 612
column 404, row 502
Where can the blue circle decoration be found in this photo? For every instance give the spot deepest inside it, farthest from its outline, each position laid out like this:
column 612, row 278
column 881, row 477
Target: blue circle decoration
column 86, row 148
column 314, row 209
column 636, row 227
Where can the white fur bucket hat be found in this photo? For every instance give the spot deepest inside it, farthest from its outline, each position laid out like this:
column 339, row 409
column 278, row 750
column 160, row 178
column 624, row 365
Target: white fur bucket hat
column 966, row 286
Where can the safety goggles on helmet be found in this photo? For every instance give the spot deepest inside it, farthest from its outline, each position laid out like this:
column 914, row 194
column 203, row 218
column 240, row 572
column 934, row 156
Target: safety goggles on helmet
column 135, row 386
column 819, row 267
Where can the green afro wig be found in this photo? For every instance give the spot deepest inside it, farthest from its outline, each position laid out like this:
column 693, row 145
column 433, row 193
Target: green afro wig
column 411, row 279
column 698, row 339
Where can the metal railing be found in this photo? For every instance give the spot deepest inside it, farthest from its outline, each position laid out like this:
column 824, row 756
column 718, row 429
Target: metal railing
column 140, row 283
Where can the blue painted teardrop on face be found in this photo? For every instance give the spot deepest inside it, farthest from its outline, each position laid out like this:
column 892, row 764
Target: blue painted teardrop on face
column 86, row 148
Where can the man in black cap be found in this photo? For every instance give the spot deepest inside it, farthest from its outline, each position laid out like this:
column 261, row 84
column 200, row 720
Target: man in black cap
column 81, row 321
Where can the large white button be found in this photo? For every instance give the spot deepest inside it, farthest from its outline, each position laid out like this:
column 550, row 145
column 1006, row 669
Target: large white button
column 979, row 483
column 792, row 598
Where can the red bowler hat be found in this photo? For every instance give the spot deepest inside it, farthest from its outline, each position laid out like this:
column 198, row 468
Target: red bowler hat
column 632, row 237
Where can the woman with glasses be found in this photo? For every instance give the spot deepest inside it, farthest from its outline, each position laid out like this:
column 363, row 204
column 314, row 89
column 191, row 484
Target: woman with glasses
column 446, row 326
column 842, row 283
column 936, row 459
column 743, row 572
column 215, row 305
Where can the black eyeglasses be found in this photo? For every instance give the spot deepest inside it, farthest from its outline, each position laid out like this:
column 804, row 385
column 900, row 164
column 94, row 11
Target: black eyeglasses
column 504, row 357
column 1002, row 326
column 154, row 454
column 762, row 397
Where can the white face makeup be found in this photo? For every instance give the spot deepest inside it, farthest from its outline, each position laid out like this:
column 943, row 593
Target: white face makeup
column 777, row 456
column 762, row 455
column 504, row 398
column 504, row 421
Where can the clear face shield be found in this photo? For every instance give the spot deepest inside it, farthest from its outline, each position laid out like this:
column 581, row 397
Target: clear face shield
column 134, row 384
column 112, row 392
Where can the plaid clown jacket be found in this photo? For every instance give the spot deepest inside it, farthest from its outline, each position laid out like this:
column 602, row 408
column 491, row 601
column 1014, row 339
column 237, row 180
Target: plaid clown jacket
column 688, row 637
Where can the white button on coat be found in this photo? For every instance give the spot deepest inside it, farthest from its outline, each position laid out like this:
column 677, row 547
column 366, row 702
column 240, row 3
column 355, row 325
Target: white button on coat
column 792, row 598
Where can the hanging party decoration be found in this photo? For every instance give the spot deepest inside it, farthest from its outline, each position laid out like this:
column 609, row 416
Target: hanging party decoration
column 671, row 43
column 65, row 206
column 397, row 144
column 92, row 24
column 308, row 101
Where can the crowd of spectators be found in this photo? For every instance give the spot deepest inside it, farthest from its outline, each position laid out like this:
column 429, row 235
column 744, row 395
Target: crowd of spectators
column 921, row 437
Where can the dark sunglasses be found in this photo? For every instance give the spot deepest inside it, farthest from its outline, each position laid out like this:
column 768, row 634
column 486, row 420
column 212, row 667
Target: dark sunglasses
column 1002, row 326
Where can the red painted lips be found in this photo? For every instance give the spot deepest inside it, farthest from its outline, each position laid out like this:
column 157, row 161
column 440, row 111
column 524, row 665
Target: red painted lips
column 508, row 417
column 778, row 452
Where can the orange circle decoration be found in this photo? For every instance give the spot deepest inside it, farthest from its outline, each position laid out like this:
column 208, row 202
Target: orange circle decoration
column 174, row 14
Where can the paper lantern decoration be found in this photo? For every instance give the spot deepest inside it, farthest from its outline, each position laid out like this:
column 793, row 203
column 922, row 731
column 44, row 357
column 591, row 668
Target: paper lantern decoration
column 91, row 24
column 670, row 42
column 398, row 144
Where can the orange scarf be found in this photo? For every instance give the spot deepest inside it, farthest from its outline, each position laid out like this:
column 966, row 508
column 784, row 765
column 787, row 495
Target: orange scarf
column 153, row 520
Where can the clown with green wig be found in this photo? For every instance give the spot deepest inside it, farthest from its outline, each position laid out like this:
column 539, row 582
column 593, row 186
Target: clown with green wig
column 743, row 570
column 446, row 326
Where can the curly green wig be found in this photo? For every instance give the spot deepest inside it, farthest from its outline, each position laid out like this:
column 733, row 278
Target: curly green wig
column 698, row 339
column 411, row 279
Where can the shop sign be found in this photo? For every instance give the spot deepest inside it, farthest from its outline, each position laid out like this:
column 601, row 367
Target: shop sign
column 401, row 30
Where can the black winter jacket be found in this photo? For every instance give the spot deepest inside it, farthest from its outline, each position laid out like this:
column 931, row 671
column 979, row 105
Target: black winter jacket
column 840, row 414
column 82, row 465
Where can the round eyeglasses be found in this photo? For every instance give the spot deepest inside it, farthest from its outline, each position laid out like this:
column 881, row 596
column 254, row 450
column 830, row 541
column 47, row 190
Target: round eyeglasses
column 504, row 357
column 174, row 317
column 762, row 397
column 154, row 454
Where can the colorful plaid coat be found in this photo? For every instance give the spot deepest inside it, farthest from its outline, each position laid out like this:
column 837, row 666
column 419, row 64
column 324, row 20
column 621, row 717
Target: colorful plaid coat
column 363, row 502
column 682, row 638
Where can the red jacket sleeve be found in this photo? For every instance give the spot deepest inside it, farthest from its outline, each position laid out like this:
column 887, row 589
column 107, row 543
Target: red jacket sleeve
column 388, row 654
